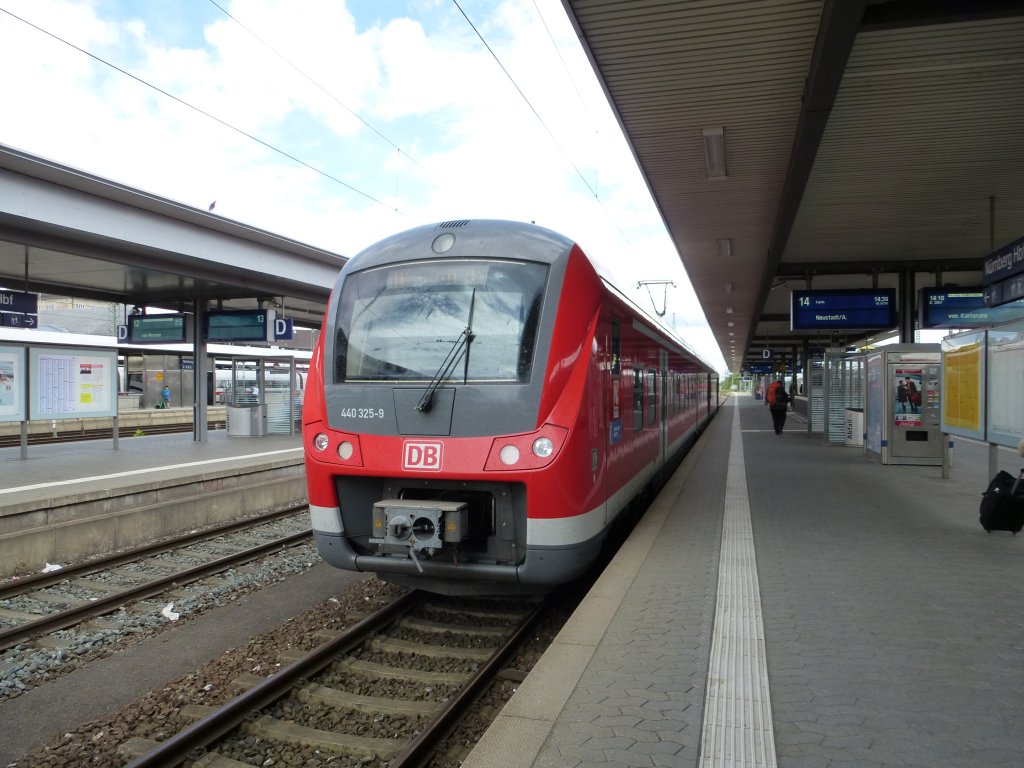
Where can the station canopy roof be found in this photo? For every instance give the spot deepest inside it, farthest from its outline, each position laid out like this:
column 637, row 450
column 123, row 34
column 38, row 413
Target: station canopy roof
column 67, row 232
column 793, row 144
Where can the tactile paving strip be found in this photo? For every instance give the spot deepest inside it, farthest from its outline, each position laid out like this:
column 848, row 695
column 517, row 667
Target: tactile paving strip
column 737, row 730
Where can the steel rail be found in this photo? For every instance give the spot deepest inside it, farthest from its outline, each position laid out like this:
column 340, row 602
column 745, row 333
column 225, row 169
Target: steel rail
column 40, row 580
column 76, row 615
column 422, row 747
column 201, row 734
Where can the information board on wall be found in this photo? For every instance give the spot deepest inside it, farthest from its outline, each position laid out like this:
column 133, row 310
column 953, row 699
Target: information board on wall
column 72, row 383
column 963, row 384
column 12, row 383
column 1005, row 361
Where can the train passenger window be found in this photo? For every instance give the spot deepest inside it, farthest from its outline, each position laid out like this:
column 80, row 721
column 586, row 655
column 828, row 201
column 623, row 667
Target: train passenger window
column 616, row 348
column 652, row 400
column 638, row 399
column 400, row 322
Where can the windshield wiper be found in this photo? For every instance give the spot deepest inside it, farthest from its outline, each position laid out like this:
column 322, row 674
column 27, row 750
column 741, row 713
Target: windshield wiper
column 460, row 347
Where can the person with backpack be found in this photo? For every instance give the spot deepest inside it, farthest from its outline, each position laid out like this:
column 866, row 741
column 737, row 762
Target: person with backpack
column 778, row 404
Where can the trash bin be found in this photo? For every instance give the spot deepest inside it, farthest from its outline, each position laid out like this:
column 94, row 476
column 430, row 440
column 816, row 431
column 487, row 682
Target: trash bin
column 247, row 421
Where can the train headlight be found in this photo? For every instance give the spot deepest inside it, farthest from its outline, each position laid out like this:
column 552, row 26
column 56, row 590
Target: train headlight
column 320, row 442
column 509, row 455
column 345, row 450
column 543, row 447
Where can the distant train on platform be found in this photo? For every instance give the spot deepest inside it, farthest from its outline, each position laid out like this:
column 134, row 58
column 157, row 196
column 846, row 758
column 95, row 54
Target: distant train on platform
column 483, row 405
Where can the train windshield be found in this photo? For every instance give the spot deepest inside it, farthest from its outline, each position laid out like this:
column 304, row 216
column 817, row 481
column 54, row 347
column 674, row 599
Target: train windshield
column 399, row 323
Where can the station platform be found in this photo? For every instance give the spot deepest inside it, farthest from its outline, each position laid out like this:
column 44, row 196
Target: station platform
column 66, row 501
column 785, row 602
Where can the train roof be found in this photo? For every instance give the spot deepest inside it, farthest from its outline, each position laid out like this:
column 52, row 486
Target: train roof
column 476, row 238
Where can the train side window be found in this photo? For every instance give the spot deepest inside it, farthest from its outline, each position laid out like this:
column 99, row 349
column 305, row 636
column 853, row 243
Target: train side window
column 616, row 348
column 652, row 400
column 638, row 399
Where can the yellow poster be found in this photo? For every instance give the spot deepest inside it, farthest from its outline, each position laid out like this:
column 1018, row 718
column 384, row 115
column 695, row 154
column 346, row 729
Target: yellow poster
column 961, row 404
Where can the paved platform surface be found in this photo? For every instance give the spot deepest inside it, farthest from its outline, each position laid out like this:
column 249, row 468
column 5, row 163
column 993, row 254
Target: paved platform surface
column 893, row 625
column 62, row 469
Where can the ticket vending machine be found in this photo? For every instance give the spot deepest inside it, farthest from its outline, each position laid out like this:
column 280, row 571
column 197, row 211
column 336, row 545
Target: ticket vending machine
column 903, row 406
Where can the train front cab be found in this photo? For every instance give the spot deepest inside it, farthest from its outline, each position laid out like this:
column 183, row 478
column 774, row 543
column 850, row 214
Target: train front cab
column 542, row 522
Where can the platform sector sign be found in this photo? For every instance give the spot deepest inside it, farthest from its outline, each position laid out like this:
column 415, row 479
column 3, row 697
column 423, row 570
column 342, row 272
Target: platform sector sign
column 12, row 383
column 72, row 383
column 850, row 309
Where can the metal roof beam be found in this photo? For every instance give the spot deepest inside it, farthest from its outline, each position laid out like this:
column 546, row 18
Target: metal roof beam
column 801, row 269
column 901, row 14
column 840, row 21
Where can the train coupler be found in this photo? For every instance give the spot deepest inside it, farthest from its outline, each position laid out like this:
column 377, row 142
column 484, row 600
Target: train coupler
column 418, row 526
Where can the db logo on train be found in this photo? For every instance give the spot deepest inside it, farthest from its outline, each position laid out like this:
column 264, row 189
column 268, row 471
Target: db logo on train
column 425, row 457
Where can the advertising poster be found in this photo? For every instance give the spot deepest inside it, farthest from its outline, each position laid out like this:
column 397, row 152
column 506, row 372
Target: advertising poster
column 909, row 389
column 1005, row 389
column 12, row 383
column 72, row 383
column 963, row 376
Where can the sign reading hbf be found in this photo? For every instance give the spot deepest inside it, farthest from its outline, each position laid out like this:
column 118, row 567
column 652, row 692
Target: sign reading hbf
column 16, row 301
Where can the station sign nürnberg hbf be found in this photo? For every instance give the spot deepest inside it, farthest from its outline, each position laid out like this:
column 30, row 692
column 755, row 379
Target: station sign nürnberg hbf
column 1003, row 274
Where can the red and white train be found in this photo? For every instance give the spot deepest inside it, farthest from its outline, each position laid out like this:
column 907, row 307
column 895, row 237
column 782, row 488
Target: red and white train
column 481, row 406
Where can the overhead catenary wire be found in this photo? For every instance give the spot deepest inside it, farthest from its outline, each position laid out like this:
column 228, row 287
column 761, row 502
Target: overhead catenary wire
column 203, row 112
column 536, row 114
column 316, row 84
column 317, row 170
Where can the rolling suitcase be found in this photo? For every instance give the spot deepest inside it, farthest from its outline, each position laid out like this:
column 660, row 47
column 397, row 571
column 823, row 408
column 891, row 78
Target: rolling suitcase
column 1002, row 505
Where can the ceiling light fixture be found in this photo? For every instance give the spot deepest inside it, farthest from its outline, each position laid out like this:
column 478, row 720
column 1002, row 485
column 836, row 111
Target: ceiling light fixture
column 725, row 247
column 714, row 152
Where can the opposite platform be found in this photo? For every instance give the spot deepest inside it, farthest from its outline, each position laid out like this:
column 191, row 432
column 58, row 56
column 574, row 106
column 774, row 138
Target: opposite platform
column 56, row 469
column 891, row 621
column 69, row 501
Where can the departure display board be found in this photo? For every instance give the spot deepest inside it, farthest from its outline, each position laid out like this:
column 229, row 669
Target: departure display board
column 852, row 309
column 239, row 325
column 157, row 329
column 963, row 308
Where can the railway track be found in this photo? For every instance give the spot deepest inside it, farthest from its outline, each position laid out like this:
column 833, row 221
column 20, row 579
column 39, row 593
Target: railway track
column 48, row 602
column 40, row 438
column 386, row 691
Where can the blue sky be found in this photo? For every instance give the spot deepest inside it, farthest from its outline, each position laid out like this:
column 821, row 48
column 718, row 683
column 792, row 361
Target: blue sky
column 338, row 123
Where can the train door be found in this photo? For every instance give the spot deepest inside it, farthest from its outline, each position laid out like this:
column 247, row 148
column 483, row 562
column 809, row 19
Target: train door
column 663, row 406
